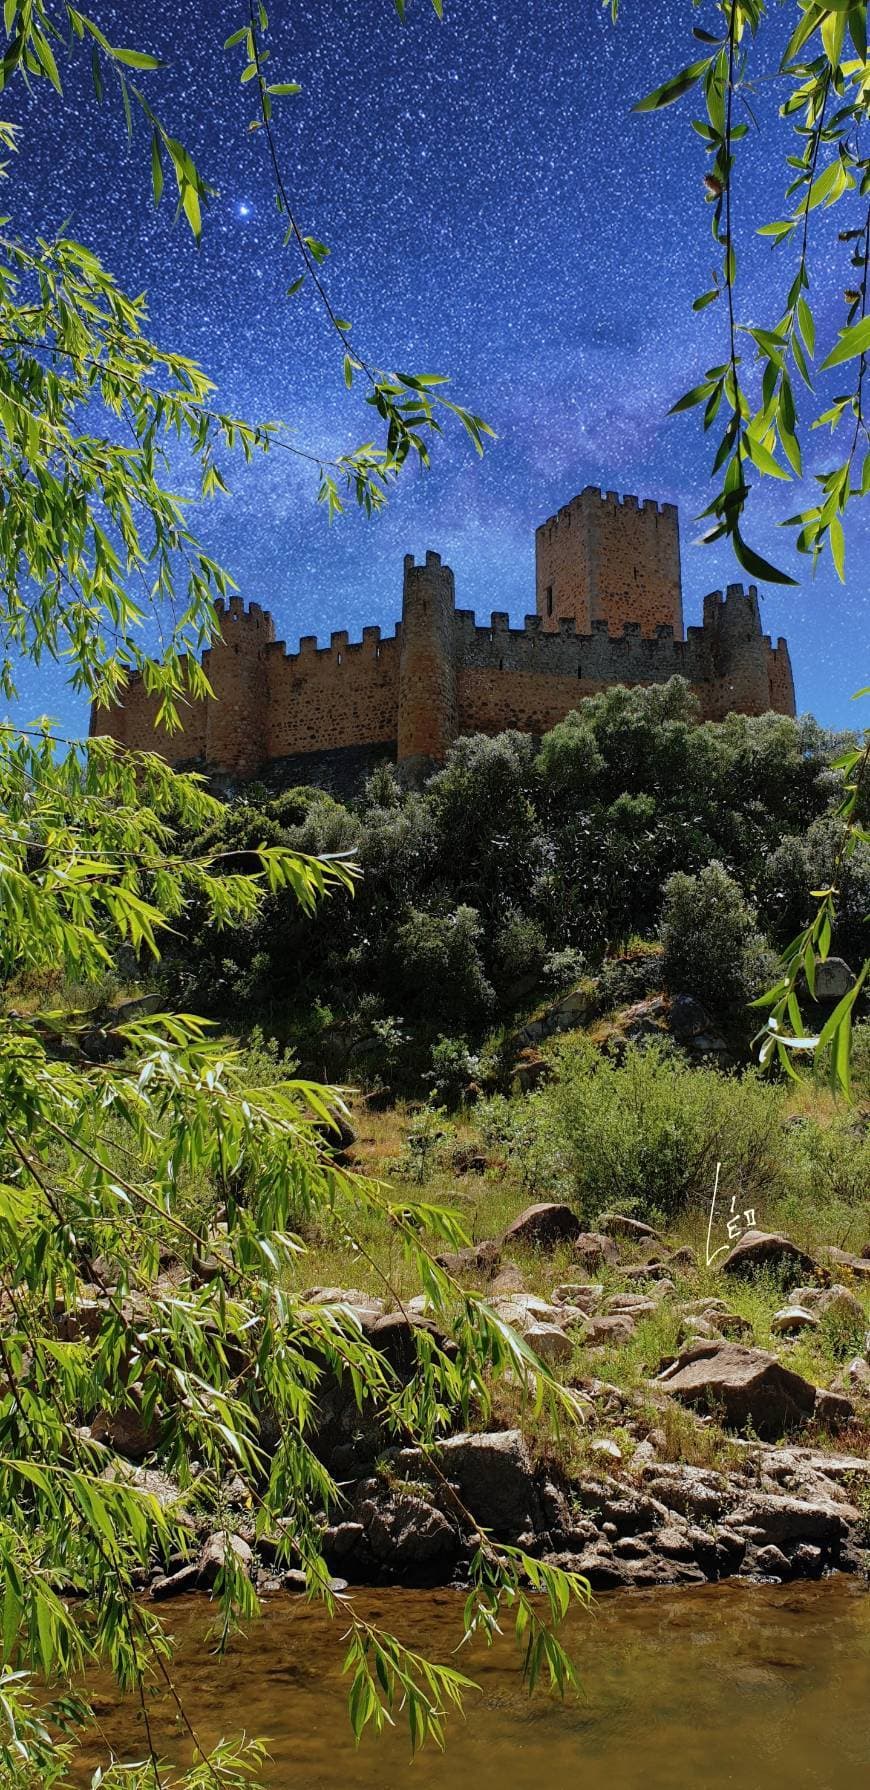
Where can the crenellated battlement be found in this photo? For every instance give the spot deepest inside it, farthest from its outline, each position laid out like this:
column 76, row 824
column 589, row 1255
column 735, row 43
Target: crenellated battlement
column 608, row 611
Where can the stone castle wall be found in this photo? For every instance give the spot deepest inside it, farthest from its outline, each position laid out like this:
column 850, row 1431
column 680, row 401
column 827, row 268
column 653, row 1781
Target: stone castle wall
column 609, row 611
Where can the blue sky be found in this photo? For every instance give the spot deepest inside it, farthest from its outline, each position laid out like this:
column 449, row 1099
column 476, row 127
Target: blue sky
column 495, row 212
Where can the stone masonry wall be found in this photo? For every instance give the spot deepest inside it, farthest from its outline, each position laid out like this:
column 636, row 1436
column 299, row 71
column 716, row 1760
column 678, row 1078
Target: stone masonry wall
column 408, row 695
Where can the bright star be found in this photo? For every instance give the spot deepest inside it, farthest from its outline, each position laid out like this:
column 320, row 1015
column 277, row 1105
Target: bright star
column 244, row 210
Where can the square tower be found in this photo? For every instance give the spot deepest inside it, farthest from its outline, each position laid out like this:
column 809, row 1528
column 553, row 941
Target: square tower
column 610, row 559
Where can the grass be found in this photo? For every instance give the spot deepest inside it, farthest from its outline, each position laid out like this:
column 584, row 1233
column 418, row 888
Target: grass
column 487, row 1204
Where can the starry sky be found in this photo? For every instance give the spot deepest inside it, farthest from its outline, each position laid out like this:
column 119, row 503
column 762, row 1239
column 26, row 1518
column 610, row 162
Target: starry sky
column 494, row 212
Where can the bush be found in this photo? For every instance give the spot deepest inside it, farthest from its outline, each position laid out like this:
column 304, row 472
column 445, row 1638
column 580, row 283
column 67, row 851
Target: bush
column 643, row 1136
column 712, row 946
column 453, row 1067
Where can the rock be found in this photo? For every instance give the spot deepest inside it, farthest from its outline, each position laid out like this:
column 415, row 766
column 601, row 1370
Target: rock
column 807, row 1560
column 594, row 1250
column 834, row 1303
column 856, row 1265
column 791, row 1320
column 684, row 1259
column 854, row 1379
column 691, row 1491
column 732, row 1324
column 768, row 1251
column 353, row 1297
column 550, row 1344
column 530, row 1070
column 583, row 1295
column 396, row 1336
column 602, row 1333
column 630, row 1305
column 687, row 1017
column 613, row 1224
column 409, row 1534
column 125, row 1430
column 833, row 1410
column 780, row 1520
column 508, row 1280
column 604, row 1448
column 544, row 1226
column 495, row 1479
column 695, row 1328
column 525, row 1309
column 772, row 1563
column 645, row 1271
column 674, row 1542
column 175, row 1584
column 833, row 980
column 599, row 1567
column 480, row 1258
column 747, row 1387
column 214, row 1555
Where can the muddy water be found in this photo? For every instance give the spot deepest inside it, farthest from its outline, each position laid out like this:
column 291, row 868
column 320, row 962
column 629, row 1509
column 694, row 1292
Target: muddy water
column 755, row 1687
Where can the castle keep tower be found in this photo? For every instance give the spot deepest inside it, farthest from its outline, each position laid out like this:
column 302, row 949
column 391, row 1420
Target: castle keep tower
column 609, row 611
column 603, row 558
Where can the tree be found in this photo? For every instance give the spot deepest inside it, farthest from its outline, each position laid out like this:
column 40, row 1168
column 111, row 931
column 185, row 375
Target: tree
column 749, row 397
column 99, row 1161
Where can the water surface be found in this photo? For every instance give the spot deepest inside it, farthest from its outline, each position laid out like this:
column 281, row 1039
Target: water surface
column 761, row 1687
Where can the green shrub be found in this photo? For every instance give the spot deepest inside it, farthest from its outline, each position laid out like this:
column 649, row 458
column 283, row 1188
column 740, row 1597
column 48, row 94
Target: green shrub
column 453, row 1067
column 645, row 1135
column 713, row 948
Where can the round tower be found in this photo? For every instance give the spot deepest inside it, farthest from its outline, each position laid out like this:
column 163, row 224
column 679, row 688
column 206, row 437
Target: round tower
column 427, row 663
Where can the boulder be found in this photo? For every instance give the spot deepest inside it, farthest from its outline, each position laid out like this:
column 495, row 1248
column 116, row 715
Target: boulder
column 508, row 1280
column 600, row 1333
column 606, row 1450
column 494, row 1474
column 409, row 1535
column 550, row 1344
column 791, row 1320
column 856, row 1265
column 687, row 1018
column 395, row 1334
column 479, row 1258
column 175, row 1584
column 584, row 1294
column 768, row 1251
column 613, row 1224
column 684, row 1259
column 125, row 1430
column 746, row 1387
column 779, row 1520
column 834, row 1303
column 593, row 1249
column 833, row 1410
column 544, row 1226
column 833, row 979
column 854, row 1379
column 213, row 1558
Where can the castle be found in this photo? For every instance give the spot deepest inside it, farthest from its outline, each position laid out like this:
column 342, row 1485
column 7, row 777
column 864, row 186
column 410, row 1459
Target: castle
column 609, row 610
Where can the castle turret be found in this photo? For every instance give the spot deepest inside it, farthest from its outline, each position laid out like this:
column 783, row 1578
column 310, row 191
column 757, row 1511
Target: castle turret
column 427, row 671
column 749, row 674
column 611, row 559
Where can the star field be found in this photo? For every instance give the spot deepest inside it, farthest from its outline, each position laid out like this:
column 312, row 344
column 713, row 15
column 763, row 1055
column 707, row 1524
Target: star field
column 495, row 212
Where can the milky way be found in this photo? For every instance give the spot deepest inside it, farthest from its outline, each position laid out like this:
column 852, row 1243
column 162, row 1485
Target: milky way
column 494, row 212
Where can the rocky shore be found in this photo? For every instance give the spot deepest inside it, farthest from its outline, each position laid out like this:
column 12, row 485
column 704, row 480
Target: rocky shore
column 792, row 1501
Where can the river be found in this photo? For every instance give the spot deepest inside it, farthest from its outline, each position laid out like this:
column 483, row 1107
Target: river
column 755, row 1687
